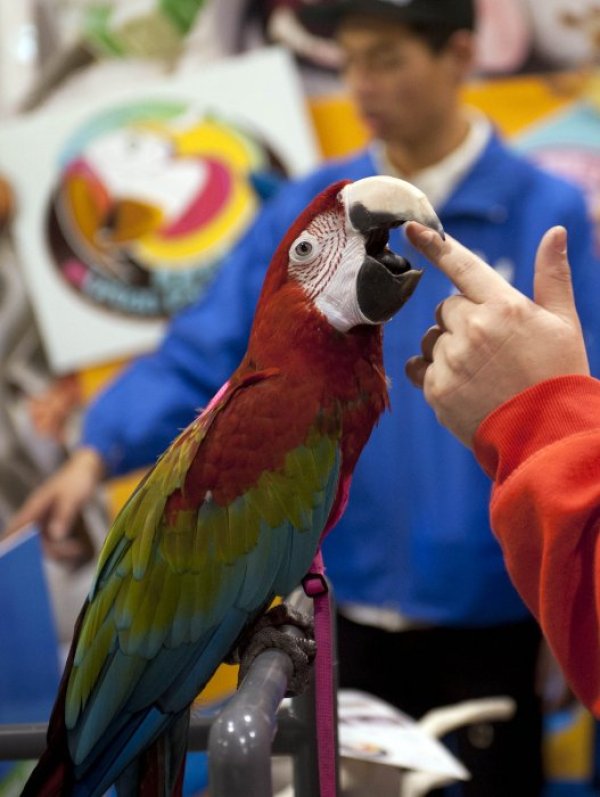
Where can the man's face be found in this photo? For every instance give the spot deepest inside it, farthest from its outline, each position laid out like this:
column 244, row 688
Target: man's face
column 400, row 86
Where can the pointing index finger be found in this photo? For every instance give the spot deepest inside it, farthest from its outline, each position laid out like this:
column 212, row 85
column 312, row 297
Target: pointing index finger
column 473, row 277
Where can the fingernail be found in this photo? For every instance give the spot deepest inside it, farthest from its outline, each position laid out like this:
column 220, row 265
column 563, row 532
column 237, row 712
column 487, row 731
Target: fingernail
column 559, row 241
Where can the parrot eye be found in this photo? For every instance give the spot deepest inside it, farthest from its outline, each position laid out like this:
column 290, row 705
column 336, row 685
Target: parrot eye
column 304, row 249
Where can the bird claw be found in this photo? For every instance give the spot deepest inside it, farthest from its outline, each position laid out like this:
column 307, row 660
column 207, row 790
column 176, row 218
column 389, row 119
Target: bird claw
column 269, row 632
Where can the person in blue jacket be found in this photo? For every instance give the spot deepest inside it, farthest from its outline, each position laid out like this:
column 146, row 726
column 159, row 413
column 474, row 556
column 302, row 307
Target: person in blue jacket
column 427, row 614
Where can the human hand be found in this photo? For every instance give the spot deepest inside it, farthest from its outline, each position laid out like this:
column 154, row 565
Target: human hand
column 490, row 341
column 51, row 410
column 56, row 508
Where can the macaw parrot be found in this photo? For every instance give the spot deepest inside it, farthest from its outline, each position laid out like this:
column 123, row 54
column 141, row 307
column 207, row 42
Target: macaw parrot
column 232, row 513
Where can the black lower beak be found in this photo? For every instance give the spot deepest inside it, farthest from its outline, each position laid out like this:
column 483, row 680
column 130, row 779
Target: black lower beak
column 375, row 205
column 382, row 289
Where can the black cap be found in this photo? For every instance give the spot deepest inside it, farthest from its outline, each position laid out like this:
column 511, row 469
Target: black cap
column 453, row 14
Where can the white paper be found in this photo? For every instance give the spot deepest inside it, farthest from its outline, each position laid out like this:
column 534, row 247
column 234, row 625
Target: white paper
column 372, row 730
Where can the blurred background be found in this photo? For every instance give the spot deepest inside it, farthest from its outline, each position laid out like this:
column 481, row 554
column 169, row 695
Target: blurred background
column 120, row 119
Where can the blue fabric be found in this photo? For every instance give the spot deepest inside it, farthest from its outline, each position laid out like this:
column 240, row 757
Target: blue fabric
column 195, row 780
column 416, row 535
column 29, row 661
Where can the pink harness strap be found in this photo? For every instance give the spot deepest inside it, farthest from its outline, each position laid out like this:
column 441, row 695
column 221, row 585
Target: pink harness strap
column 315, row 586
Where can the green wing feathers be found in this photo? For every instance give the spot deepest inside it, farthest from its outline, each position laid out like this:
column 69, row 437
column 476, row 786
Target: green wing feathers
column 171, row 568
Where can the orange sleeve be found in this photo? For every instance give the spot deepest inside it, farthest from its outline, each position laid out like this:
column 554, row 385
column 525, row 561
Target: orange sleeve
column 542, row 449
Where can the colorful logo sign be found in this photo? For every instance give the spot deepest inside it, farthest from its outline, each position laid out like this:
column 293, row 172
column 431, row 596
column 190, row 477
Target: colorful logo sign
column 149, row 199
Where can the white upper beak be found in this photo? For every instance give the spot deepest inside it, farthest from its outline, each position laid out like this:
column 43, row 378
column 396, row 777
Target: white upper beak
column 374, row 201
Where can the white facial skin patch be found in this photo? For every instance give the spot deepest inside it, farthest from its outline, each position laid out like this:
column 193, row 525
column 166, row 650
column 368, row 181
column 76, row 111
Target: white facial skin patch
column 338, row 301
column 325, row 259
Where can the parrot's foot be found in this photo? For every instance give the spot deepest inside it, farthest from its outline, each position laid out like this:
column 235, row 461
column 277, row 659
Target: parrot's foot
column 269, row 632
